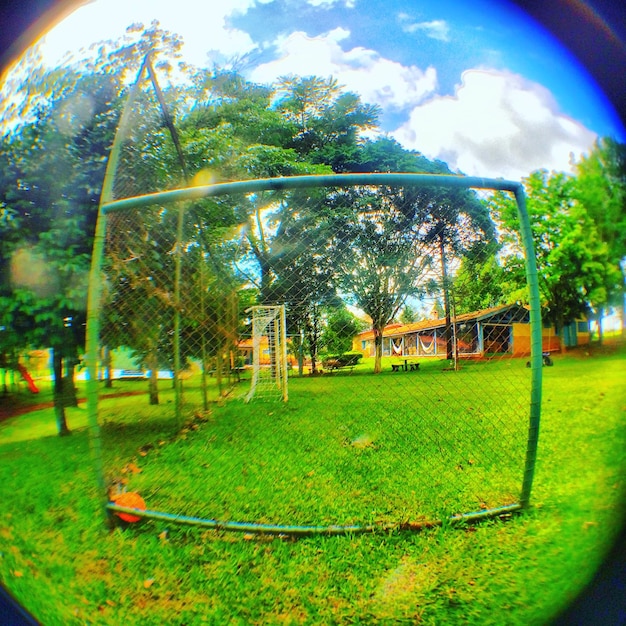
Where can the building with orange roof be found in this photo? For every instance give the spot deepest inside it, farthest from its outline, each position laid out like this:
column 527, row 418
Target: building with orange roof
column 503, row 330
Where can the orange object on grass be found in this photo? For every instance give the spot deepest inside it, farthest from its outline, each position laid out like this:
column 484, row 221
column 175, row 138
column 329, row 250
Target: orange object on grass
column 132, row 500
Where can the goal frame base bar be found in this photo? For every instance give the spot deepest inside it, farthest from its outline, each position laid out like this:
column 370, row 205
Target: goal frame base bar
column 294, row 530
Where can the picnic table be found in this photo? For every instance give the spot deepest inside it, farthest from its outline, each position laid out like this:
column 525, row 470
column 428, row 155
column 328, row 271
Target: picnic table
column 405, row 367
column 238, row 371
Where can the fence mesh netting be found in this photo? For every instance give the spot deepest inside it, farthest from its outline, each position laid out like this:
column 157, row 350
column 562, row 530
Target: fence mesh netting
column 408, row 385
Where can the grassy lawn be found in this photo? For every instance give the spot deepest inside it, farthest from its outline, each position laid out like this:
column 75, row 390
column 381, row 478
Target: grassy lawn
column 347, row 447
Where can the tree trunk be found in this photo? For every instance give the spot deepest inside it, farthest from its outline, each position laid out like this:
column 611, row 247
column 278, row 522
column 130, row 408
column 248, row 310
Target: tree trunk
column 301, row 353
column 107, row 361
column 59, row 396
column 204, row 380
column 4, row 366
column 153, row 387
column 378, row 349
column 69, row 389
column 446, row 299
column 312, row 337
column 599, row 319
column 219, row 370
column 313, row 353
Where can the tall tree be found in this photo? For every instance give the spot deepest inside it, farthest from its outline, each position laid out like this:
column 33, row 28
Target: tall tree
column 481, row 282
column 327, row 120
column 456, row 224
column 303, row 272
column 571, row 258
column 600, row 187
column 379, row 253
column 50, row 187
column 63, row 122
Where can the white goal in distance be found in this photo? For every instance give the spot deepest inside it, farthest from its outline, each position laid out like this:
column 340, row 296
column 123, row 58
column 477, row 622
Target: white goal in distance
column 269, row 353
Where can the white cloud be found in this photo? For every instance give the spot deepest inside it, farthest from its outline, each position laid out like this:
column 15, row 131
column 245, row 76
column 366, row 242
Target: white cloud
column 350, row 4
column 435, row 29
column 378, row 80
column 497, row 124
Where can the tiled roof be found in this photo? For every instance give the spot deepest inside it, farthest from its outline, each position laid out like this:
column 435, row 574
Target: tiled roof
column 397, row 330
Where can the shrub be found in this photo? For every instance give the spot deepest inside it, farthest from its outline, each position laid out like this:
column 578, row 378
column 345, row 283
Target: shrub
column 347, row 359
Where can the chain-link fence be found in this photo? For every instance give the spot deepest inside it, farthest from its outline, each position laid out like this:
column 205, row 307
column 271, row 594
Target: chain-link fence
column 409, row 395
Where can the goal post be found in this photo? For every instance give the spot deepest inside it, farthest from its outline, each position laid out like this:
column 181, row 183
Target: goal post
column 269, row 353
column 175, row 265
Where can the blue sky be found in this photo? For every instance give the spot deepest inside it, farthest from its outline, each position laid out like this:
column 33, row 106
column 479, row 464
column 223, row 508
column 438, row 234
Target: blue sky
column 477, row 84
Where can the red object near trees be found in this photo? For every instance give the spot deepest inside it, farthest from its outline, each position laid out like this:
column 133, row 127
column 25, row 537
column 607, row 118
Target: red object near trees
column 28, row 378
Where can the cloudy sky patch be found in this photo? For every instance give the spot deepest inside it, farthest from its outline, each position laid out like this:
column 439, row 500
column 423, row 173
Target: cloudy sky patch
column 496, row 124
column 499, row 98
column 435, row 29
column 350, row 4
column 378, row 80
column 108, row 19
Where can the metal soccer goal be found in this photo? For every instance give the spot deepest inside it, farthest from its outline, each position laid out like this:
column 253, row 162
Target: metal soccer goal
column 391, row 422
column 269, row 353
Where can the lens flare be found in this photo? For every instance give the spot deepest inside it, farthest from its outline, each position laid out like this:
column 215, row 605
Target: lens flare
column 30, row 270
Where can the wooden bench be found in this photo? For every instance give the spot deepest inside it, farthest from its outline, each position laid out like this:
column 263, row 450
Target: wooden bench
column 405, row 367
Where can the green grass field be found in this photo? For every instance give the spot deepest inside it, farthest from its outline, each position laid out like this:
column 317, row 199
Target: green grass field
column 346, row 448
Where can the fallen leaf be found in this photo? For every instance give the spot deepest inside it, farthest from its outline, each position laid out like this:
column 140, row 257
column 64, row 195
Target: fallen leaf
column 133, row 468
column 148, row 583
column 17, row 573
column 6, row 533
column 163, row 536
column 111, row 603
